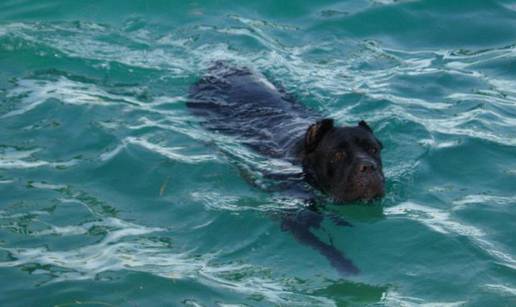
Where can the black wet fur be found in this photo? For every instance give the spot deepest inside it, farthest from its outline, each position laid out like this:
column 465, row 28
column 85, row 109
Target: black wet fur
column 343, row 162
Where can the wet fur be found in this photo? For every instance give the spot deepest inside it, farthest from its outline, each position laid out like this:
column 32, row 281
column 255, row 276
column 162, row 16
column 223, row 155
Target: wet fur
column 246, row 105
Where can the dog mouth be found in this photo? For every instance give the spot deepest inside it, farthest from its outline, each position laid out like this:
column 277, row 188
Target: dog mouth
column 370, row 194
column 362, row 188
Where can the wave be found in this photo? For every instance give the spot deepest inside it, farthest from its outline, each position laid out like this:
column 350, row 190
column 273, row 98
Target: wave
column 128, row 246
column 484, row 199
column 31, row 93
column 298, row 72
column 442, row 222
column 168, row 152
column 17, row 158
column 216, row 201
column 345, row 78
column 393, row 298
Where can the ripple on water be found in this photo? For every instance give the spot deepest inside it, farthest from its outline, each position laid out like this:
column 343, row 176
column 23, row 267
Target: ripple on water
column 443, row 222
column 338, row 77
column 17, row 158
column 30, row 93
column 323, row 73
column 171, row 153
column 128, row 246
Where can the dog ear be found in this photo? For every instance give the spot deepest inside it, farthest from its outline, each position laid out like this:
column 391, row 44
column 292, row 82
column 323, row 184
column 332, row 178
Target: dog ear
column 364, row 125
column 316, row 132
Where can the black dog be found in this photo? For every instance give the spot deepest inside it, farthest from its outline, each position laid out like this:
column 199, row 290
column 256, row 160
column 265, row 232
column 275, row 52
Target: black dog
column 344, row 162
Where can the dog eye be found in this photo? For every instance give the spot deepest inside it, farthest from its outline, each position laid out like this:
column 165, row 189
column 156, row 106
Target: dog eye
column 373, row 150
column 339, row 156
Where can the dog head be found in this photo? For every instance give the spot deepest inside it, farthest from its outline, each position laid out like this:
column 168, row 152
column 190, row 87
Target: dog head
column 344, row 162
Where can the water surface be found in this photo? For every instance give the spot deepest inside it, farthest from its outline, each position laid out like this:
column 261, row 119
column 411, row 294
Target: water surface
column 111, row 193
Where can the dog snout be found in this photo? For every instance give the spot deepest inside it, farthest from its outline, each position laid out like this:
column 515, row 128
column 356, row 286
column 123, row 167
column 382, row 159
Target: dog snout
column 367, row 166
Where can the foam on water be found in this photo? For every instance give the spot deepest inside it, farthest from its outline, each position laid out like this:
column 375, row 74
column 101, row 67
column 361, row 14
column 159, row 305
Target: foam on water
column 13, row 158
column 336, row 78
column 170, row 153
column 126, row 246
column 347, row 78
column 442, row 222
column 484, row 199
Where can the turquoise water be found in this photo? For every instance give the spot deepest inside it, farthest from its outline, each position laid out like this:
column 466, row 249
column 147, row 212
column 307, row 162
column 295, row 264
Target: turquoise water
column 112, row 194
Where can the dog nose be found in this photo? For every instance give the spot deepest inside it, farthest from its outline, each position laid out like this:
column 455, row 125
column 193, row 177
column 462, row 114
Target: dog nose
column 366, row 166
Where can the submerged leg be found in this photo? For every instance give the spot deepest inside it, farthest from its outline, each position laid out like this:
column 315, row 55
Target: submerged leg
column 299, row 225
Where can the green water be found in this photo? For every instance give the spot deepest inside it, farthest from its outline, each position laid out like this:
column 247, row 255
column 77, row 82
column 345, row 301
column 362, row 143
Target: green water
column 111, row 194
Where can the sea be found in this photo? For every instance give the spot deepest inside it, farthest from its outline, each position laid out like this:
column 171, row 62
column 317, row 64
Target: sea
column 113, row 194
